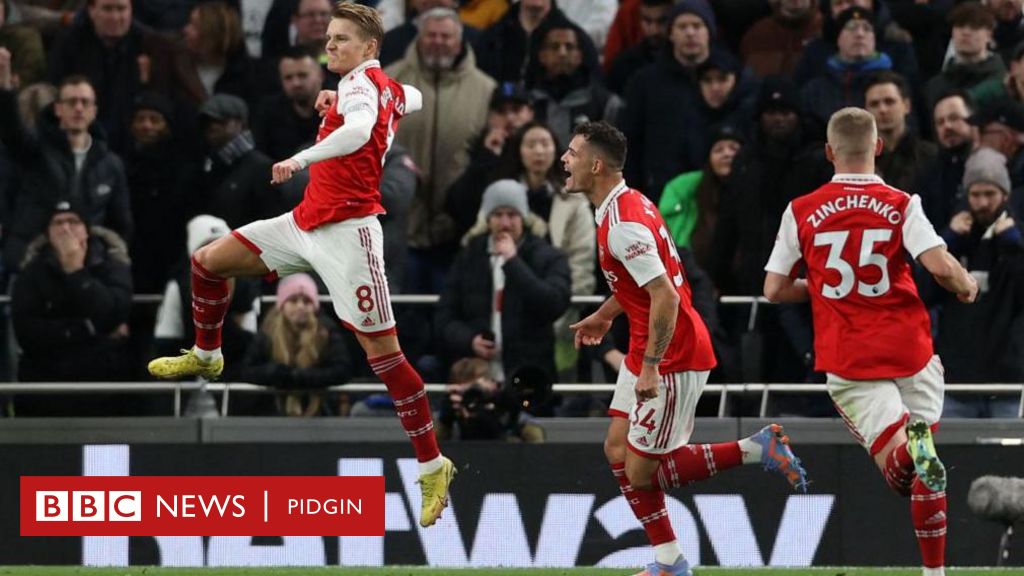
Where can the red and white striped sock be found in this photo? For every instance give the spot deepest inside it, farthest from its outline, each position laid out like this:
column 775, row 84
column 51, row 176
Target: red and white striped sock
column 211, row 296
column 406, row 389
column 648, row 506
column 928, row 510
column 899, row 470
column 695, row 462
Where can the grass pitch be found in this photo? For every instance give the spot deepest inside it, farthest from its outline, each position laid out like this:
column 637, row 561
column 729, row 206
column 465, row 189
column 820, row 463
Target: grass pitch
column 416, row 571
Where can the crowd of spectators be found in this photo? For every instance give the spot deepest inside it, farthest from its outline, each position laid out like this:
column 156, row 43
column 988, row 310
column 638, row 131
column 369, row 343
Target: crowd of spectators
column 133, row 132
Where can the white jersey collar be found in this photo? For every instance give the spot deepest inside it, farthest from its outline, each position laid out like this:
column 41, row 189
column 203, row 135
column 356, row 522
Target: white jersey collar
column 857, row 179
column 374, row 63
column 618, row 190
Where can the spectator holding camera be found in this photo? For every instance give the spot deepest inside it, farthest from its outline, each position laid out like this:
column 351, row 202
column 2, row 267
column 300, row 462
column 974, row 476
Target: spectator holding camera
column 298, row 349
column 988, row 241
column 468, row 410
column 505, row 290
column 479, row 408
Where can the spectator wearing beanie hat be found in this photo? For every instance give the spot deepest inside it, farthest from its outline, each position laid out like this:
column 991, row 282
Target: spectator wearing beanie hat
column 988, row 241
column 505, row 290
column 849, row 71
column 889, row 38
column 727, row 97
column 71, row 301
column 691, row 43
column 298, row 348
column 161, row 175
column 296, row 285
column 987, row 166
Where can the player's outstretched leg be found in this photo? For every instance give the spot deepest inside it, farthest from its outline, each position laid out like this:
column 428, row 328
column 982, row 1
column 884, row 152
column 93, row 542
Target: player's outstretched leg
column 695, row 462
column 211, row 296
column 406, row 389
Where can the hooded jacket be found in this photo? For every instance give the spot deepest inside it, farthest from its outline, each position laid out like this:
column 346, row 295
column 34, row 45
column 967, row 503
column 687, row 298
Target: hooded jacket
column 502, row 50
column 566, row 101
column 64, row 322
column 454, row 111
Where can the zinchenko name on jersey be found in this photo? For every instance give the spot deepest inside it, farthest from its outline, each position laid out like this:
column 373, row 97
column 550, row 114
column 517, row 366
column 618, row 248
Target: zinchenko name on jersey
column 883, row 209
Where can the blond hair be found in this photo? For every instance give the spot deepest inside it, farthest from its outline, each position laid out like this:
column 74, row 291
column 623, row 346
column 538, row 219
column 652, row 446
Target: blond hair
column 365, row 18
column 298, row 348
column 852, row 134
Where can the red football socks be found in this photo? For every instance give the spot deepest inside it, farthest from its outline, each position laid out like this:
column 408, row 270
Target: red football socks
column 899, row 470
column 406, row 389
column 211, row 297
column 928, row 510
column 695, row 462
column 648, row 507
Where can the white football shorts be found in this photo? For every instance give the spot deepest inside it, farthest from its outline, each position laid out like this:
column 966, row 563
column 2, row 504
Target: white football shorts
column 874, row 410
column 348, row 256
column 660, row 425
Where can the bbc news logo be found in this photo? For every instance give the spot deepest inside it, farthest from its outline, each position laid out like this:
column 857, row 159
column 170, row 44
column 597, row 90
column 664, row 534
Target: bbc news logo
column 89, row 506
column 209, row 505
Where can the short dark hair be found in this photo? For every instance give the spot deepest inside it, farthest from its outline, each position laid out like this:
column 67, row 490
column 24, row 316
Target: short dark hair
column 889, row 77
column 300, row 52
column 958, row 93
column 657, row 2
column 608, row 140
column 972, row 14
column 74, row 80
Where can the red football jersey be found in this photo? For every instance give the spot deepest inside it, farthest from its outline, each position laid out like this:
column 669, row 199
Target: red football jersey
column 853, row 234
column 348, row 186
column 634, row 248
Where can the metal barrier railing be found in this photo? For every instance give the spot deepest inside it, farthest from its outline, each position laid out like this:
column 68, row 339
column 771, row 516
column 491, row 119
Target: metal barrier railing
column 227, row 388
column 427, row 299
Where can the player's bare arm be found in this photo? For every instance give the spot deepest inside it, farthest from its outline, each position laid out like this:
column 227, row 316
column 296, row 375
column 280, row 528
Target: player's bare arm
column 782, row 288
column 949, row 273
column 661, row 326
column 591, row 330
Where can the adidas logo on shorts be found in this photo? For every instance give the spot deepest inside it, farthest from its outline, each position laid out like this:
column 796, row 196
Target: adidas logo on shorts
column 367, row 322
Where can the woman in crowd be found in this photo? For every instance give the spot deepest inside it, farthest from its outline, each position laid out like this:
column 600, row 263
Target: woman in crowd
column 215, row 59
column 566, row 220
column 298, row 350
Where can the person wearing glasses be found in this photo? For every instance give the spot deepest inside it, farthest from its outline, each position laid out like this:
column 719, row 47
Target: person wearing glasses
column 67, row 158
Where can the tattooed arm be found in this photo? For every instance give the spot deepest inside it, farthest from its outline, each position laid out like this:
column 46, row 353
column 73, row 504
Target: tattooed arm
column 660, row 328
